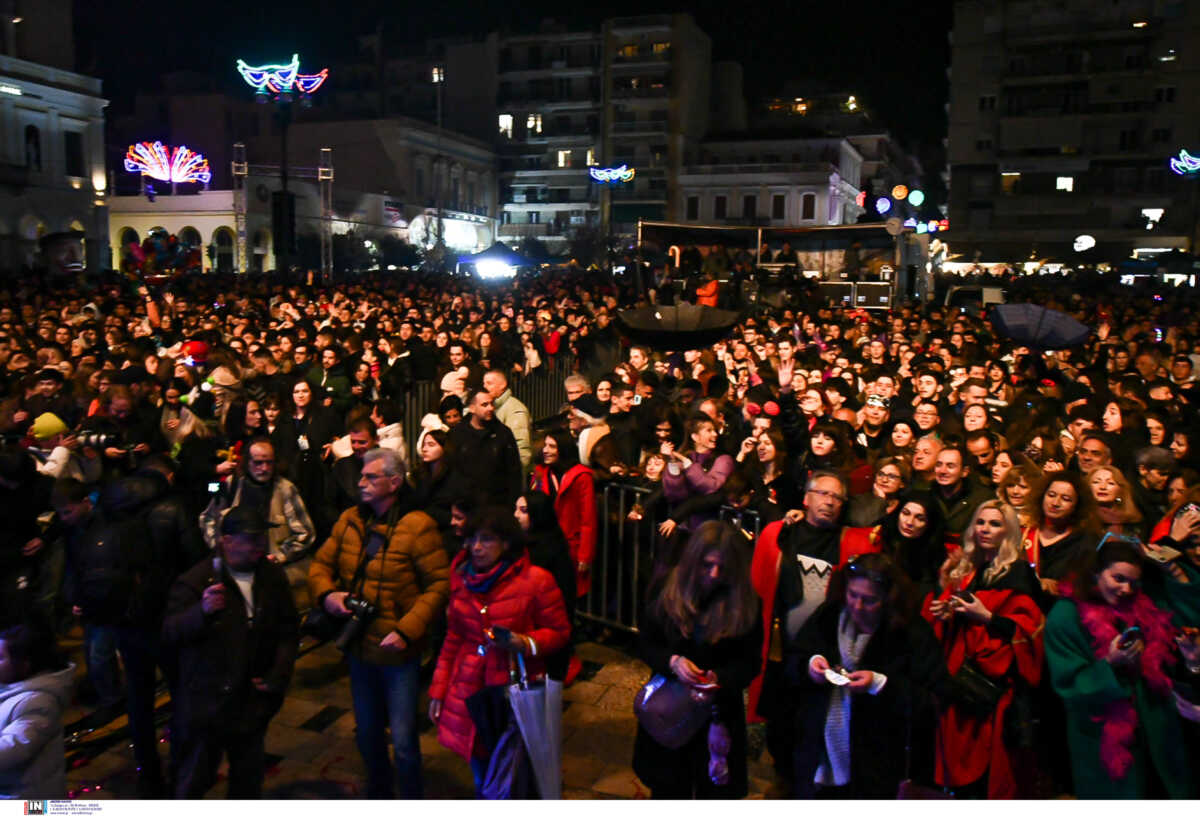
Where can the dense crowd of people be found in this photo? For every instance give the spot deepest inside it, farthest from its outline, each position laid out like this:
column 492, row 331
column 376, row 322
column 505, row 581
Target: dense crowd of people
column 197, row 474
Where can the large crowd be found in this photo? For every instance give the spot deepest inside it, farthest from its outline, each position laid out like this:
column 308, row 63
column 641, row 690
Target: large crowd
column 973, row 567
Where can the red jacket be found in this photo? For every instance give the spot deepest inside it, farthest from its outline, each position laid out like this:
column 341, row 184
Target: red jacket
column 525, row 600
column 708, row 294
column 575, row 506
column 764, row 575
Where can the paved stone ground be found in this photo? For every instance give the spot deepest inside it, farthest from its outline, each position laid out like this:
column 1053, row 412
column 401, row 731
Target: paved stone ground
column 312, row 754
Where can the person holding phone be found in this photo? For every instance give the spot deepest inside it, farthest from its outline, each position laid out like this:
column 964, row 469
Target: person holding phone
column 989, row 623
column 1111, row 653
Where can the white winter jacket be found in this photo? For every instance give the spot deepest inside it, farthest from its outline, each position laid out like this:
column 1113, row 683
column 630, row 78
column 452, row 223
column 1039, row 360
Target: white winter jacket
column 33, row 762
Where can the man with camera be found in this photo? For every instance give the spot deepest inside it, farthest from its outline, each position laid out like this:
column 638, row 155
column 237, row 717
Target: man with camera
column 384, row 572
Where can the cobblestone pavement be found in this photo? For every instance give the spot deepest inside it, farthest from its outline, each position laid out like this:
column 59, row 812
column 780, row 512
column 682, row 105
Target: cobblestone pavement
column 311, row 751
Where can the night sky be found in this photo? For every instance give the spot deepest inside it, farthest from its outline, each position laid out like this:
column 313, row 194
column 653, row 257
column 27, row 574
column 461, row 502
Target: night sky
column 894, row 55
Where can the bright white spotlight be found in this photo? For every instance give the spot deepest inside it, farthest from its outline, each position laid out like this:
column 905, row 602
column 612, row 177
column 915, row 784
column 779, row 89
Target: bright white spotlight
column 489, row 269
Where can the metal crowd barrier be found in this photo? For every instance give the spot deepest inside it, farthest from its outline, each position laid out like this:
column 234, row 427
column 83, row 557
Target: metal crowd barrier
column 629, row 552
column 542, row 391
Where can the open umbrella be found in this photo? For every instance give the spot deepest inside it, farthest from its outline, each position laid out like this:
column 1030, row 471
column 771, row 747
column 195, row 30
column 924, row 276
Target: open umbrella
column 1038, row 326
column 537, row 708
column 676, row 328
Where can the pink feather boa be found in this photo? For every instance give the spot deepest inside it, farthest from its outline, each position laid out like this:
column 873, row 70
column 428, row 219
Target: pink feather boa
column 1103, row 623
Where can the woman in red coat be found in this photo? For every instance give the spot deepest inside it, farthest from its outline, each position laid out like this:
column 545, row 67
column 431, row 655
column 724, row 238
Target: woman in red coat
column 989, row 623
column 493, row 588
column 573, row 488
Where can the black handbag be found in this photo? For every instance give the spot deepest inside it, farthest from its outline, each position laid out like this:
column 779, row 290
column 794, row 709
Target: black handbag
column 973, row 691
column 672, row 712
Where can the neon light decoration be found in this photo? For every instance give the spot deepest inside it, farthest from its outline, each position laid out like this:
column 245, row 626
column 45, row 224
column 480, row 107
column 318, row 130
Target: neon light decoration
column 861, row 198
column 281, row 78
column 910, row 222
column 612, row 175
column 180, row 165
column 916, row 198
column 1186, row 164
column 899, row 192
column 883, row 204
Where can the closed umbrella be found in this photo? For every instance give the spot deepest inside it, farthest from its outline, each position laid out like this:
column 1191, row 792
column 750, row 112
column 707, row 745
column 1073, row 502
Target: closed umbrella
column 1038, row 326
column 537, row 708
column 676, row 328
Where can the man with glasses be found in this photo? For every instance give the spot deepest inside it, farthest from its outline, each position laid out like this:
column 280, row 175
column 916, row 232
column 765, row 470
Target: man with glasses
column 793, row 562
column 407, row 588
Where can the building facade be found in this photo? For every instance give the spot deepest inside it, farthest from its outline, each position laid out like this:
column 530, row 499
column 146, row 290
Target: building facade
column 52, row 176
column 776, row 182
column 1064, row 115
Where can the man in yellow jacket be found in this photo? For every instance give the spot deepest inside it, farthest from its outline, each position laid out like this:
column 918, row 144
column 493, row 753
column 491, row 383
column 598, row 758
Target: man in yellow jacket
column 385, row 573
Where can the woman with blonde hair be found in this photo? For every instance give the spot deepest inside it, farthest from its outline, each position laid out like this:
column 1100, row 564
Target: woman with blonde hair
column 1115, row 507
column 990, row 627
column 1016, row 488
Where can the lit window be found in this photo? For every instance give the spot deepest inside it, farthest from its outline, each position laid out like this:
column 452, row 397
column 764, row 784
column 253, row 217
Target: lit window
column 564, row 158
column 1009, row 181
column 800, row 106
column 1152, row 215
column 852, row 104
column 506, row 125
column 1065, row 183
column 439, row 74
column 534, row 123
column 661, row 48
column 591, row 157
column 627, row 51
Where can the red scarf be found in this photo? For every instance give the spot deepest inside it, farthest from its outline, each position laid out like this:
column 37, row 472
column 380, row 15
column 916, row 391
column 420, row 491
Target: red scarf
column 1119, row 719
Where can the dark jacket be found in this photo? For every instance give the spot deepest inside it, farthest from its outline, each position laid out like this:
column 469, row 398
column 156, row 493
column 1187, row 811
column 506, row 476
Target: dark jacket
column 736, row 661
column 171, row 524
column 489, row 461
column 911, row 659
column 332, row 383
column 436, row 494
column 219, row 654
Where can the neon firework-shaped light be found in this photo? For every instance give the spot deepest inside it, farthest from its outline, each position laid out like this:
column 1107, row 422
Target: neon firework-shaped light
column 180, row 165
column 1186, row 164
column 279, row 78
column 612, row 175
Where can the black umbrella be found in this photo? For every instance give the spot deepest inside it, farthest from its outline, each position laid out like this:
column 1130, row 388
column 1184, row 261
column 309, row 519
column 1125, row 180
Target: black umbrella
column 676, row 328
column 1038, row 326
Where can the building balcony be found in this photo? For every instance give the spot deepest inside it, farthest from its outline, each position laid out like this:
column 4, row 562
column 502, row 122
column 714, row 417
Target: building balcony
column 651, row 127
column 14, row 175
column 660, row 92
column 638, row 24
column 749, row 169
column 547, row 99
column 529, row 230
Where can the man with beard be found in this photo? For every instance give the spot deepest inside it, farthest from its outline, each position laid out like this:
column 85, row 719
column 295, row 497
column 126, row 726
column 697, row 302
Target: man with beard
column 274, row 496
column 957, row 495
column 793, row 562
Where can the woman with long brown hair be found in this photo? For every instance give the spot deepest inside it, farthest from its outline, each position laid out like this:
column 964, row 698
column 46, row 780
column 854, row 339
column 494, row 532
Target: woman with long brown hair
column 703, row 627
column 1063, row 525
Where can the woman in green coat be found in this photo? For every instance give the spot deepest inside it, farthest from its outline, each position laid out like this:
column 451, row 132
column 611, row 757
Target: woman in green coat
column 1111, row 654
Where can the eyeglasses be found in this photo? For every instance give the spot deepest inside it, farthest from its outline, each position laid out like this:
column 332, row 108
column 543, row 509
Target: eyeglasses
column 828, row 494
column 888, row 477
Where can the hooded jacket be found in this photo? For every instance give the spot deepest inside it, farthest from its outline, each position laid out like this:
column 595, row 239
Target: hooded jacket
column 33, row 762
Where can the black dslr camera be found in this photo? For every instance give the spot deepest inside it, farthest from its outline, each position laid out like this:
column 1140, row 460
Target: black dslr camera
column 362, row 612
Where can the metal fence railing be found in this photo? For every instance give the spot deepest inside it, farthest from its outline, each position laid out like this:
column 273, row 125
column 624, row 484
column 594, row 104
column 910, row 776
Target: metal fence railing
column 629, row 552
column 542, row 391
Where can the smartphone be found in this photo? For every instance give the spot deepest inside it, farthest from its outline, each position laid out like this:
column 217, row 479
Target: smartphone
column 501, row 634
column 1129, row 637
column 213, row 487
column 1162, row 554
column 965, row 595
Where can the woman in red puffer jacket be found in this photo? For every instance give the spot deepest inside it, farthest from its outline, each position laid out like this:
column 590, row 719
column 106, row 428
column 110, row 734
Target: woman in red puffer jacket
column 493, row 587
column 573, row 488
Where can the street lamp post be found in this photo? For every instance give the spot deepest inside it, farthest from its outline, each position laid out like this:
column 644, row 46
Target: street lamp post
column 439, row 79
column 283, row 84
